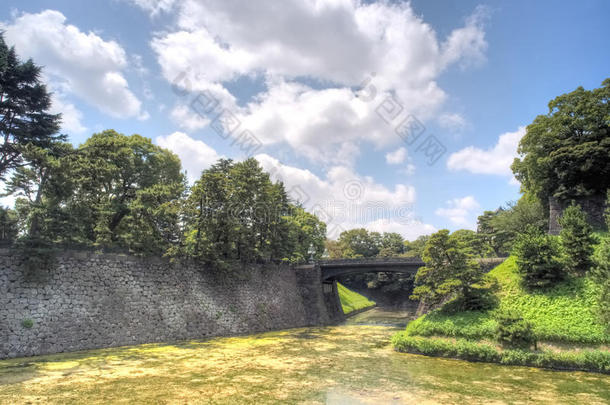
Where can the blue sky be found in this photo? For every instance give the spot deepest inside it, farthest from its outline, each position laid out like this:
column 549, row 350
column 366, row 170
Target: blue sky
column 473, row 73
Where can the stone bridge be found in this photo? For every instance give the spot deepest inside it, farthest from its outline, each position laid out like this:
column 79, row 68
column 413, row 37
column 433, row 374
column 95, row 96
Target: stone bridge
column 332, row 269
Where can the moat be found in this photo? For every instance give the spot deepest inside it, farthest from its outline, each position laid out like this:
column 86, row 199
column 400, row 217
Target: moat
column 352, row 363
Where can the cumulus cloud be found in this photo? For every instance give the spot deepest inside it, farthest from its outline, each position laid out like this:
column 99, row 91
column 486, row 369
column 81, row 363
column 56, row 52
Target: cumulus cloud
column 71, row 117
column 347, row 200
column 396, row 157
column 195, row 155
column 217, row 41
column 81, row 63
column 453, row 122
column 496, row 160
column 460, row 211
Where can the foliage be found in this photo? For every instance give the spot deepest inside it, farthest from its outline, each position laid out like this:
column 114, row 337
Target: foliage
column 538, row 258
column 305, row 231
column 27, row 323
column 565, row 152
column 566, row 312
column 468, row 324
column 8, row 225
column 601, row 274
column 235, row 213
column 576, row 239
column 607, row 210
column 24, row 105
column 514, row 331
column 475, row 244
column 351, row 300
column 449, row 270
column 415, row 248
column 499, row 229
column 585, row 359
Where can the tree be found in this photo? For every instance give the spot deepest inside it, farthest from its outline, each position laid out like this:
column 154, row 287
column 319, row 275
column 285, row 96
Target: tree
column 392, row 245
column 577, row 239
column 234, row 213
column 474, row 242
column 306, row 231
column 538, row 258
column 607, row 210
column 449, row 270
column 499, row 228
column 357, row 243
column 415, row 248
column 564, row 154
column 514, row 331
column 111, row 173
column 24, row 105
column 8, row 225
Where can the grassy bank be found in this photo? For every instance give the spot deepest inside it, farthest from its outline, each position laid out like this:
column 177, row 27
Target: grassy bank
column 352, row 301
column 564, row 320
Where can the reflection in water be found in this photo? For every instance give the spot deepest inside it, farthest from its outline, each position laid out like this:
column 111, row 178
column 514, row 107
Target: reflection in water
column 346, row 364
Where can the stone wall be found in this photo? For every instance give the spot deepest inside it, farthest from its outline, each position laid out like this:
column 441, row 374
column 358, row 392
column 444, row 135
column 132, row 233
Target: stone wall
column 593, row 206
column 88, row 300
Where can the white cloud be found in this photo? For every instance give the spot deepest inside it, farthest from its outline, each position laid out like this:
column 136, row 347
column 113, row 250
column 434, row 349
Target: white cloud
column 396, row 157
column 188, row 119
column 81, row 63
column 71, row 117
column 346, row 200
column 496, row 160
column 154, row 7
column 460, row 211
column 453, row 122
column 218, row 41
column 195, row 155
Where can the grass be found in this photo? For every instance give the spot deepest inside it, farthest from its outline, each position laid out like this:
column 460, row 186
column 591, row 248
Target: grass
column 352, row 301
column 564, row 313
column 564, row 317
column 587, row 359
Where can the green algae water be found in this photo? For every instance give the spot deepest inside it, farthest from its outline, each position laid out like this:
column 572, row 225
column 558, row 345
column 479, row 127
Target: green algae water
column 348, row 364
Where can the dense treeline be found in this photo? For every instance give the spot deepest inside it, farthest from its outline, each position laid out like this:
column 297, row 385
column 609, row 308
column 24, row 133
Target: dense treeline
column 124, row 192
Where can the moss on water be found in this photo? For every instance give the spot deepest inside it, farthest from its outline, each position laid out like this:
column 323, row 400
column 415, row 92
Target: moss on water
column 343, row 364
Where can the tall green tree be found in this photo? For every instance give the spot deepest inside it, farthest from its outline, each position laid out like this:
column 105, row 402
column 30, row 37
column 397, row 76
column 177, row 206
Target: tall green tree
column 9, row 227
column 306, row 231
column 601, row 273
column 577, row 239
column 450, row 270
column 112, row 172
column 564, row 153
column 357, row 243
column 24, row 106
column 538, row 258
column 235, row 213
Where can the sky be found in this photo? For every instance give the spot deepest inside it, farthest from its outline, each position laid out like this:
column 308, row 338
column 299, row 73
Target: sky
column 390, row 115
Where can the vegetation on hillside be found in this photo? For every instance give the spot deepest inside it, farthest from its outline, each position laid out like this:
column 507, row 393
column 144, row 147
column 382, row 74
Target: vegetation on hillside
column 352, row 301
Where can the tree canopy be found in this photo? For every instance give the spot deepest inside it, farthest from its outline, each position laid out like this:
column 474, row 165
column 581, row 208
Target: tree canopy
column 566, row 152
column 24, row 105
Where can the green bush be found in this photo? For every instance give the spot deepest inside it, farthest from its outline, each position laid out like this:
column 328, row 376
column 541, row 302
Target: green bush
column 514, row 331
column 576, row 239
column 587, row 360
column 27, row 323
column 538, row 258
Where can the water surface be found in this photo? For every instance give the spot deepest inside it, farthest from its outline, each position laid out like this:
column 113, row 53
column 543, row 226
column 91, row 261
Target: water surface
column 347, row 364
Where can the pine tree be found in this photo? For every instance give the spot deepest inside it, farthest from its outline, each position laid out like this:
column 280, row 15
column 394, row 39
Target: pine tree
column 24, row 105
column 576, row 239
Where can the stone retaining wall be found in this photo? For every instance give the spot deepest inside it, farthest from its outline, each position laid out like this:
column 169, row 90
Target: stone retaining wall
column 87, row 300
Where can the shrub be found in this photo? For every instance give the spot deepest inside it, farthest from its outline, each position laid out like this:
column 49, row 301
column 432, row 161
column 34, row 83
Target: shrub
column 27, row 323
column 588, row 360
column 538, row 258
column 514, row 331
column 576, row 239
